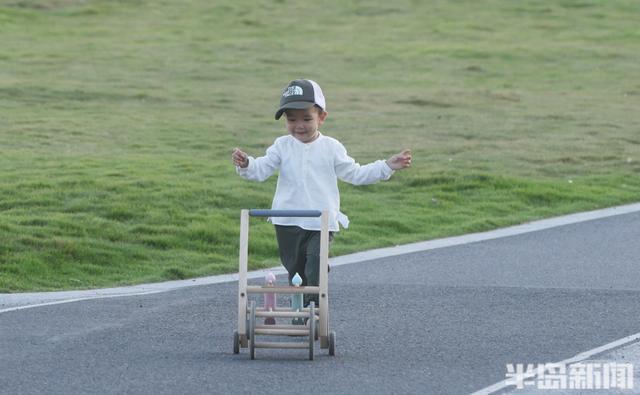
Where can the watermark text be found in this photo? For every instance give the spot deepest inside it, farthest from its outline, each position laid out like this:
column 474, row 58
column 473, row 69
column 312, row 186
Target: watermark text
column 578, row 376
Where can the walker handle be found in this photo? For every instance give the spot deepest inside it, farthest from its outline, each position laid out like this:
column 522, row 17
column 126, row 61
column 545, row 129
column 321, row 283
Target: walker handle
column 284, row 213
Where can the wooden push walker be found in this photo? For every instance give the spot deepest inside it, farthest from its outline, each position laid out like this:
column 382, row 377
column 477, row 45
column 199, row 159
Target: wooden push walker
column 317, row 317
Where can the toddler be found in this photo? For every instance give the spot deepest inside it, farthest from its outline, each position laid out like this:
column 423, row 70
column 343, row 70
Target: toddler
column 309, row 165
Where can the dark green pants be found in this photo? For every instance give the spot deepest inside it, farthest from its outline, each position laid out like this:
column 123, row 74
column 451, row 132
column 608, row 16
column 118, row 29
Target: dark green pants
column 300, row 253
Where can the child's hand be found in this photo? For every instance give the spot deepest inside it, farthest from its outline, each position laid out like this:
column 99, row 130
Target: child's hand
column 240, row 159
column 401, row 160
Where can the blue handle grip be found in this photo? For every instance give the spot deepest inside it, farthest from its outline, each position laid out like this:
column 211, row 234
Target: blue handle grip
column 284, row 213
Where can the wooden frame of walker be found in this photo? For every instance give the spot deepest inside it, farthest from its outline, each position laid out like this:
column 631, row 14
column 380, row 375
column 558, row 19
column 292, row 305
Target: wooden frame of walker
column 245, row 336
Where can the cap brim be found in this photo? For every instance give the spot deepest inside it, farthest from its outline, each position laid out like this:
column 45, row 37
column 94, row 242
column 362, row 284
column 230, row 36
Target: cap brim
column 294, row 105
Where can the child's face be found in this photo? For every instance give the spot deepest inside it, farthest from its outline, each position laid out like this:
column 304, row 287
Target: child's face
column 304, row 124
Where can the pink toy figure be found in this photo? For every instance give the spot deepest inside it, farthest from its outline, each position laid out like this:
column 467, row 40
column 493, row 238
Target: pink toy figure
column 270, row 298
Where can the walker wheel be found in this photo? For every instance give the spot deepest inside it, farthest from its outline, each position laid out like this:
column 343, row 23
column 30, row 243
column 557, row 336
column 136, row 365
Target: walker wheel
column 332, row 343
column 312, row 328
column 236, row 342
column 252, row 330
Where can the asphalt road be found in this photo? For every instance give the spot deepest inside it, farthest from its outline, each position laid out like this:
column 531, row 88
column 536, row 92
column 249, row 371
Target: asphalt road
column 444, row 321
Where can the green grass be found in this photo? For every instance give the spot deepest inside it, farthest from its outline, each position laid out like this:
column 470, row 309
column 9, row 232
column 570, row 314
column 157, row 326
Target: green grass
column 118, row 119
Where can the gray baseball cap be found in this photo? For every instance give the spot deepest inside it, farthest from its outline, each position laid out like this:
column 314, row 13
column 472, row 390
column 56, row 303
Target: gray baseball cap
column 301, row 94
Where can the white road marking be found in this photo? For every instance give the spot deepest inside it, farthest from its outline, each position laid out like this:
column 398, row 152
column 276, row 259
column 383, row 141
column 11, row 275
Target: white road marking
column 41, row 299
column 504, row 384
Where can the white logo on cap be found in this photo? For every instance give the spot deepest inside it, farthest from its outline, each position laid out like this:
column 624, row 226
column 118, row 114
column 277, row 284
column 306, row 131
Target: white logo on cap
column 293, row 91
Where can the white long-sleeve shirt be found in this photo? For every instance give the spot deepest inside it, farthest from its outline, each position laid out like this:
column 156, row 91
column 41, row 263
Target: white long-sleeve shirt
column 308, row 178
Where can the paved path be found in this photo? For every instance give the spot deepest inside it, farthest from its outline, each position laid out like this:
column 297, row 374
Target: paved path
column 444, row 321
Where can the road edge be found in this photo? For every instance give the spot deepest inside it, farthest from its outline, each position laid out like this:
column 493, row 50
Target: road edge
column 20, row 301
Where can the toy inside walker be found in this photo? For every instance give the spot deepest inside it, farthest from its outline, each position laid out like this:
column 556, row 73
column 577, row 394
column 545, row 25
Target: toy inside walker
column 313, row 320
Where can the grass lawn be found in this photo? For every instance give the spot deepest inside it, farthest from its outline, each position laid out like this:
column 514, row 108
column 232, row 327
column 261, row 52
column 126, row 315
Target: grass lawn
column 118, row 118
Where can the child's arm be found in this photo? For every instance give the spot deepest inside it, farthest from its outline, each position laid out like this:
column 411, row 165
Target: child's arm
column 256, row 169
column 348, row 170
